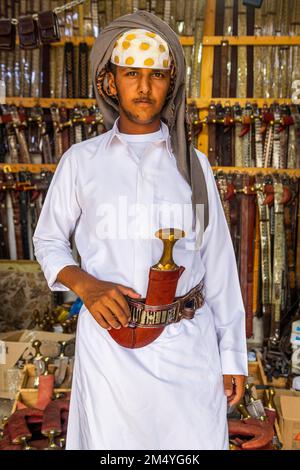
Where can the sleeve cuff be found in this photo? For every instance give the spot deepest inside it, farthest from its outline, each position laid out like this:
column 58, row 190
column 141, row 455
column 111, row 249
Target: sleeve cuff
column 51, row 274
column 233, row 362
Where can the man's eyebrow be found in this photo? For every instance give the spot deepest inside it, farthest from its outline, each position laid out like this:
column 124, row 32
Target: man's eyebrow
column 140, row 68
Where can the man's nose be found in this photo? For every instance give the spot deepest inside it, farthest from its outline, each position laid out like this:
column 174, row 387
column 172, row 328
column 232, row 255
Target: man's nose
column 144, row 85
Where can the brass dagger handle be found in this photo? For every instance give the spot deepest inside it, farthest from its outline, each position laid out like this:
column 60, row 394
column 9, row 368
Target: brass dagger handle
column 46, row 361
column 242, row 409
column 36, row 345
column 169, row 237
column 62, row 348
column 271, row 404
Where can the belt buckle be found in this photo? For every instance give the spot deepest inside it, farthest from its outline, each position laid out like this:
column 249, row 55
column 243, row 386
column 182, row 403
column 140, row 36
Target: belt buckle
column 174, row 314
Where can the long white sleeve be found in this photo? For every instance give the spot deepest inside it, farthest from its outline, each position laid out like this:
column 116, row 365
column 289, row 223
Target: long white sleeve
column 222, row 287
column 57, row 221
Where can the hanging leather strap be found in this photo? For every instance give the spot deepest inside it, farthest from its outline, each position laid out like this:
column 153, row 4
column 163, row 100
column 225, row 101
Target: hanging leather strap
column 258, row 138
column 247, row 204
column 20, row 134
column 4, row 243
column 278, row 262
column 57, row 133
column 83, row 70
column 216, row 90
column 70, row 76
column 212, row 134
column 238, row 153
column 23, row 195
column 265, row 238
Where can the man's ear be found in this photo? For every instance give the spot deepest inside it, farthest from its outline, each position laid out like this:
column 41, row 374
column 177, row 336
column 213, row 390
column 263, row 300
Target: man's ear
column 112, row 90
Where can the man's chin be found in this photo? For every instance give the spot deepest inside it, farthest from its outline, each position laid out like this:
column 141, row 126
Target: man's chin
column 143, row 119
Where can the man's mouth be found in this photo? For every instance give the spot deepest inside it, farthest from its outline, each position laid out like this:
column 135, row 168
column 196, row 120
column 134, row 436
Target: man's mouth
column 143, row 101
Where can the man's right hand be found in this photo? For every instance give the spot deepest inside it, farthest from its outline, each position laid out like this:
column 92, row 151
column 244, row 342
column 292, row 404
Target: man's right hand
column 106, row 302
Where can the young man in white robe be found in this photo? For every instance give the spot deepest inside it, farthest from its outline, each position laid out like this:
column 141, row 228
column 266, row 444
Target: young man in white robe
column 174, row 392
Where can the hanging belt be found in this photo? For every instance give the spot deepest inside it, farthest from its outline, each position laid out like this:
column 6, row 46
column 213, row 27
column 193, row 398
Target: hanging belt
column 256, row 268
column 23, row 197
column 15, row 201
column 64, row 120
column 70, row 76
column 20, row 134
column 246, row 136
column 58, row 145
column 45, row 140
column 250, row 50
column 78, row 128
column 227, row 137
column 222, row 187
column 212, row 134
column 241, row 54
column 258, row 56
column 258, row 138
column 278, row 263
column 238, row 153
column 290, row 220
column 294, row 139
column 83, row 70
column 244, row 186
column 34, row 134
column 276, row 138
column 13, row 155
column 219, row 21
column 265, row 239
column 183, row 307
column 95, row 18
column 233, row 68
column 45, row 67
column 4, row 242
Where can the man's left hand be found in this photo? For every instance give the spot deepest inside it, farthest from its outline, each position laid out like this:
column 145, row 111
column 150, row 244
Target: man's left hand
column 234, row 388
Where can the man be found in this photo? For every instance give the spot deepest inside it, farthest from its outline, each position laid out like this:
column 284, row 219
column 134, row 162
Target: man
column 172, row 393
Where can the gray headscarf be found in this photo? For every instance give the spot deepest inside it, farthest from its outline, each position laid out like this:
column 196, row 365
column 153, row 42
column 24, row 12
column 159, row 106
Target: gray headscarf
column 174, row 112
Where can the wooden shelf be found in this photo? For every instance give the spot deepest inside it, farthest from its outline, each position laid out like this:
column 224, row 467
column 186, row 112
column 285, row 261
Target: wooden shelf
column 70, row 102
column 255, row 171
column 203, row 103
column 32, row 167
column 47, row 102
column 89, row 40
column 251, row 40
column 36, row 168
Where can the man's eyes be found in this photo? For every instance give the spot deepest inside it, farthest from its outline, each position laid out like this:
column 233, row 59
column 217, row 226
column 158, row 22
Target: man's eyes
column 155, row 73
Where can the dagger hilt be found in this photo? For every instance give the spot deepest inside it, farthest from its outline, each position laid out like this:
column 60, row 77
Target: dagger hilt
column 169, row 236
column 36, row 345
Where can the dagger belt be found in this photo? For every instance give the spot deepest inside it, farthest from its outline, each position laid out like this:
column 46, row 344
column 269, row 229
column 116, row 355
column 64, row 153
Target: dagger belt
column 184, row 306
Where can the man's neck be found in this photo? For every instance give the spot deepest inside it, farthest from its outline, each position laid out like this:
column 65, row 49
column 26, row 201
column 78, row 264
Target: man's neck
column 128, row 127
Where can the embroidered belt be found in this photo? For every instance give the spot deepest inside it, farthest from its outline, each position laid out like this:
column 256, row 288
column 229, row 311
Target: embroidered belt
column 148, row 316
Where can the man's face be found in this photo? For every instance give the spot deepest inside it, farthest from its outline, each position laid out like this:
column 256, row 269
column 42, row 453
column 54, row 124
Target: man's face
column 141, row 92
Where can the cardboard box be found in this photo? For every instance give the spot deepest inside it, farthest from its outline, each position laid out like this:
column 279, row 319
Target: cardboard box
column 287, row 403
column 27, row 382
column 17, row 344
column 29, row 397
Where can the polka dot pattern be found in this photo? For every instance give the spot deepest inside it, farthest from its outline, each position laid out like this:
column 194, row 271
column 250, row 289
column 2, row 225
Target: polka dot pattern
column 141, row 48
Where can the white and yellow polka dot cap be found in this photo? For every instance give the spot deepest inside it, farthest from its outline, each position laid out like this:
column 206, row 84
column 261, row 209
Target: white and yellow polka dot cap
column 141, row 48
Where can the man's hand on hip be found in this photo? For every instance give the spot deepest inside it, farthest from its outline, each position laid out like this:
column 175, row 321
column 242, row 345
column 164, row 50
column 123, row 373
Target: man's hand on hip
column 106, row 302
column 234, row 386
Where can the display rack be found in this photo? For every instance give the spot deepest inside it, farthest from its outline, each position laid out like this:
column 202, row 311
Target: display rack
column 209, row 42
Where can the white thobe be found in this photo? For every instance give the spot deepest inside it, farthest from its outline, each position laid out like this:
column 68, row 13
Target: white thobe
column 169, row 394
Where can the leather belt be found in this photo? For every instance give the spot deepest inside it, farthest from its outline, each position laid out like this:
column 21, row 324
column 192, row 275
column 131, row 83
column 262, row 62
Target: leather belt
column 70, row 76
column 146, row 316
column 212, row 134
column 83, row 70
